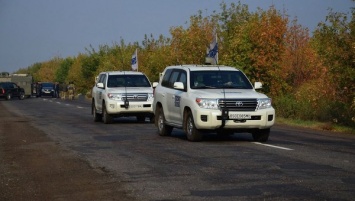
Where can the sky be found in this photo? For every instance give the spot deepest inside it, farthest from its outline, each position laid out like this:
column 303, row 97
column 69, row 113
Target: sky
column 39, row 30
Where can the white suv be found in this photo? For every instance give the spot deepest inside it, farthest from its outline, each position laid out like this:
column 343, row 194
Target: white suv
column 122, row 93
column 211, row 98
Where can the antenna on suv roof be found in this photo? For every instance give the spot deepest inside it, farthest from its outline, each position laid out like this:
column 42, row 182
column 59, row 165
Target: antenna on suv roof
column 126, row 102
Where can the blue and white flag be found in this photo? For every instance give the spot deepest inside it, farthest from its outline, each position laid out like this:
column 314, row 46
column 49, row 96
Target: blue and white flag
column 212, row 51
column 134, row 61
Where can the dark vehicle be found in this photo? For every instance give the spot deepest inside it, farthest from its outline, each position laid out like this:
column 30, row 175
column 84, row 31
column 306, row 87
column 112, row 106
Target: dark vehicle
column 47, row 89
column 22, row 80
column 10, row 89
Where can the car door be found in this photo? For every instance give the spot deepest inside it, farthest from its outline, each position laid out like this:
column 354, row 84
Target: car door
column 99, row 92
column 174, row 97
column 14, row 90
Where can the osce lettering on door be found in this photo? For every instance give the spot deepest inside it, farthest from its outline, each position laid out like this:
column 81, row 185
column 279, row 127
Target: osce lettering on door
column 177, row 101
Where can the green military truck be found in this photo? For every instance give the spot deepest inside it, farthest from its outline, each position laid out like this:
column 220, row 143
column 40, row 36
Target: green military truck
column 23, row 80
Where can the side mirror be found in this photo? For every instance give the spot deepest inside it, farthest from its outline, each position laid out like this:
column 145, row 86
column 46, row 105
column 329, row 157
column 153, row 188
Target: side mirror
column 155, row 84
column 179, row 85
column 100, row 85
column 258, row 85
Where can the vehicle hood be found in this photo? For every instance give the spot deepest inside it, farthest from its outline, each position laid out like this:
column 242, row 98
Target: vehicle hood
column 130, row 90
column 227, row 93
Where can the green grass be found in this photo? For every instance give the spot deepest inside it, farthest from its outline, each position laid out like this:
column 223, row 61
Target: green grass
column 316, row 125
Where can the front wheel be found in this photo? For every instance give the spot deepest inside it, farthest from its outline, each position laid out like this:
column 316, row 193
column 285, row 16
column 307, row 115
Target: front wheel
column 192, row 133
column 261, row 135
column 163, row 129
column 22, row 96
column 97, row 116
column 107, row 118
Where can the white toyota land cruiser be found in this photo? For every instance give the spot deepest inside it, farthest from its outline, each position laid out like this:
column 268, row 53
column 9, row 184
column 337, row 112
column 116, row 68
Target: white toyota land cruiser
column 122, row 93
column 211, row 98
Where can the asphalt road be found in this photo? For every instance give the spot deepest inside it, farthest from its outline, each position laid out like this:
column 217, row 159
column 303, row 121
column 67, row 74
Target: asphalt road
column 295, row 164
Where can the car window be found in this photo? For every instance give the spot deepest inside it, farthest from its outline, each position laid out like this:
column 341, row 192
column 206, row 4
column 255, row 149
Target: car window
column 102, row 79
column 183, row 78
column 48, row 85
column 10, row 85
column 173, row 78
column 219, row 79
column 128, row 81
column 165, row 81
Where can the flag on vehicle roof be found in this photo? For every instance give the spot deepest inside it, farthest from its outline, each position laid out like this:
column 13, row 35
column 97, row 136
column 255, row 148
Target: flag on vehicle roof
column 134, row 61
column 212, row 51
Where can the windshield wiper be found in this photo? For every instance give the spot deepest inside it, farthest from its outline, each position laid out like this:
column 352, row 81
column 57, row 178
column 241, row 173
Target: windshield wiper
column 206, row 87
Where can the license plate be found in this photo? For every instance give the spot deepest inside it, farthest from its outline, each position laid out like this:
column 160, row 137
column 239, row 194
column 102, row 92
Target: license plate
column 135, row 106
column 239, row 116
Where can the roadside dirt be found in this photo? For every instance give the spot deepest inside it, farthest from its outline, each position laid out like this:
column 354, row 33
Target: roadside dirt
column 33, row 167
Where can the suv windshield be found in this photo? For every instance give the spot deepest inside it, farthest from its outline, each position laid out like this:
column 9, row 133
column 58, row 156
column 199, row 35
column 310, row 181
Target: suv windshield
column 127, row 81
column 219, row 79
column 48, row 85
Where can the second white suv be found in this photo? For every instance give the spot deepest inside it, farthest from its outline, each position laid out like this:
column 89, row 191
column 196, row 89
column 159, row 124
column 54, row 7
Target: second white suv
column 122, row 93
column 211, row 98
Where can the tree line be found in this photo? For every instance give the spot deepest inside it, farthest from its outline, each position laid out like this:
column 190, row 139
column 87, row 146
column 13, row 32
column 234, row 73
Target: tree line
column 308, row 76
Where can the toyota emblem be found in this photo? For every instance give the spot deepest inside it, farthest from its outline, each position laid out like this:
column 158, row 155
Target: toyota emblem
column 239, row 103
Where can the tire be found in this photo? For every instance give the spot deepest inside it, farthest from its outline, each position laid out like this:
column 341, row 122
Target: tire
column 22, row 96
column 192, row 133
column 97, row 116
column 8, row 96
column 261, row 135
column 163, row 129
column 107, row 118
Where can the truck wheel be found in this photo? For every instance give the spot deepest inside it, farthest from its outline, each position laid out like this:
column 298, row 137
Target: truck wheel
column 97, row 116
column 8, row 96
column 163, row 129
column 261, row 135
column 192, row 133
column 107, row 118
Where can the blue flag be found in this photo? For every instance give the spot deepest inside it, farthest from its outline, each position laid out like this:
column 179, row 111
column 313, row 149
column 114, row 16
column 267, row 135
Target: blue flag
column 134, row 61
column 213, row 51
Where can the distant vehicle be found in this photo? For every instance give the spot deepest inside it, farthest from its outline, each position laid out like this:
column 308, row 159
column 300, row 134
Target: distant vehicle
column 8, row 90
column 120, row 94
column 47, row 89
column 23, row 80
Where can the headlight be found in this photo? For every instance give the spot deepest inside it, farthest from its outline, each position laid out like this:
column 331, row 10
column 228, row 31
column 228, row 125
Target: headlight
column 114, row 96
column 207, row 103
column 264, row 103
column 150, row 96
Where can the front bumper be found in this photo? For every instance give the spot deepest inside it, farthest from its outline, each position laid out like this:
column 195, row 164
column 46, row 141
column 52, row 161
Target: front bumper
column 213, row 119
column 118, row 107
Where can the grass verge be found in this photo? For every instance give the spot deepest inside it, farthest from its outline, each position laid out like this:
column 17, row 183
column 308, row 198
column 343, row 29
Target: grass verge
column 316, row 125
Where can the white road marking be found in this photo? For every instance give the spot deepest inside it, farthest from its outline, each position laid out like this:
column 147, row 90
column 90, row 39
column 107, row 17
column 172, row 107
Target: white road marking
column 79, row 107
column 268, row 145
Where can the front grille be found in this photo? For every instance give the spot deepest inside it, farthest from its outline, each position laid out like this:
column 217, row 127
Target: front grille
column 238, row 104
column 135, row 97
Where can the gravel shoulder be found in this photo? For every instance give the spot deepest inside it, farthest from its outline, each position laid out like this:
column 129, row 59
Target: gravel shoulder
column 33, row 167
